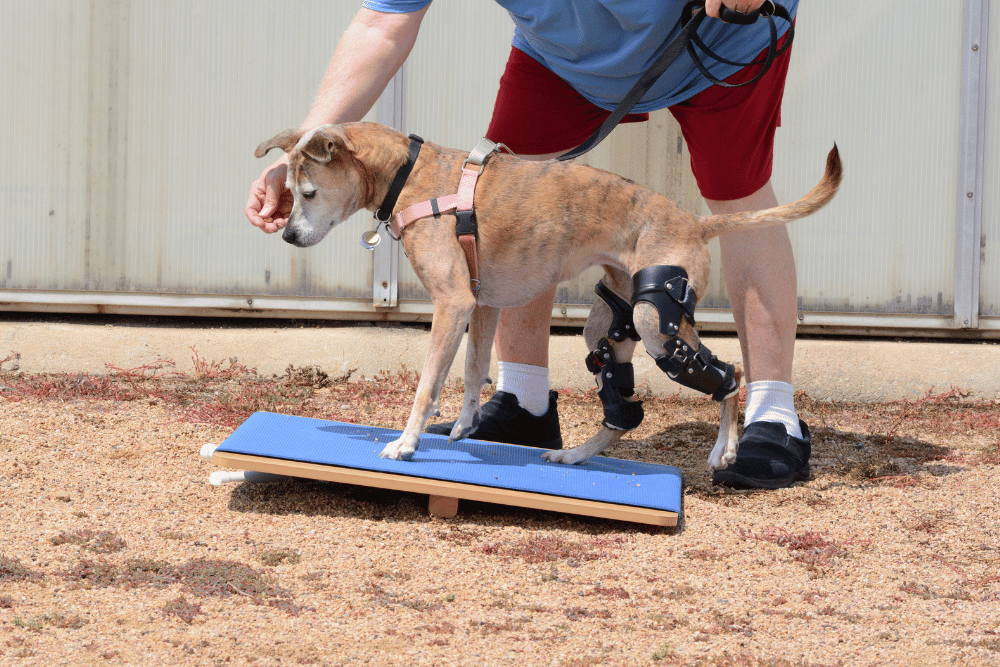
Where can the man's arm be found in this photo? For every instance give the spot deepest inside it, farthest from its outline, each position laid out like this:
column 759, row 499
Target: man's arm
column 369, row 54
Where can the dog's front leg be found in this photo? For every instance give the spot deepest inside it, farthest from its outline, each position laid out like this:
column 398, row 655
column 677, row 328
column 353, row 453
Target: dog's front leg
column 451, row 315
column 604, row 438
column 482, row 328
column 596, row 329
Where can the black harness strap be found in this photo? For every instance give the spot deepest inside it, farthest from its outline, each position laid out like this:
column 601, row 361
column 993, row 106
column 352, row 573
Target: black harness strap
column 384, row 211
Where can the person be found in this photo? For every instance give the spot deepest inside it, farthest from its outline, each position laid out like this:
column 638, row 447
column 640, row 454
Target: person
column 570, row 63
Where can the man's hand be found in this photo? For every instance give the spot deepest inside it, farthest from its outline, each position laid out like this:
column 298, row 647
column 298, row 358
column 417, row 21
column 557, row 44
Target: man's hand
column 712, row 7
column 270, row 202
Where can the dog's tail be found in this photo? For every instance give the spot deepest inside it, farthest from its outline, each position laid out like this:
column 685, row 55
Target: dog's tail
column 713, row 225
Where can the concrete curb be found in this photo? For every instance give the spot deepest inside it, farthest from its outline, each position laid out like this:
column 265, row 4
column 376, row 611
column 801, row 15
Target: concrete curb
column 826, row 369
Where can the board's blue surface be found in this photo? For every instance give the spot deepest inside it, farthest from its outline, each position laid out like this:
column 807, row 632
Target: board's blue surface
column 476, row 462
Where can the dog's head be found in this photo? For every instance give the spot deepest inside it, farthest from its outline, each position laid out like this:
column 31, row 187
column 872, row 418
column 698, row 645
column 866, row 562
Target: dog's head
column 323, row 178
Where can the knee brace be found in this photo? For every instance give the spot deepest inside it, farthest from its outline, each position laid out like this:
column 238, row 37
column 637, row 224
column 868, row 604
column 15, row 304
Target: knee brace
column 616, row 381
column 667, row 289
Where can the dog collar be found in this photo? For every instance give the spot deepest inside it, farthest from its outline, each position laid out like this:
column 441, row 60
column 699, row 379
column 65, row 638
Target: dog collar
column 384, row 212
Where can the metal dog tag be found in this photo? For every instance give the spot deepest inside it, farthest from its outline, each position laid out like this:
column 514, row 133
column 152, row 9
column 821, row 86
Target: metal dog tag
column 370, row 239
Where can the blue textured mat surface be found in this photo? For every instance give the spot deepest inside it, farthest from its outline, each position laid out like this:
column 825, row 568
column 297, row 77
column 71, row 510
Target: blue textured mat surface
column 476, row 462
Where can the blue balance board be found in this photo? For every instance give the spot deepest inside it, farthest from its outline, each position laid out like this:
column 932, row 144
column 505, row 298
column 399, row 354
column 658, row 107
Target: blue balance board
column 470, row 462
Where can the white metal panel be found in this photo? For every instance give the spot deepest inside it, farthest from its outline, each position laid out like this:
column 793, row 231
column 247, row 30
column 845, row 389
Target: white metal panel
column 207, row 82
column 47, row 59
column 886, row 89
column 135, row 125
column 130, row 127
column 989, row 287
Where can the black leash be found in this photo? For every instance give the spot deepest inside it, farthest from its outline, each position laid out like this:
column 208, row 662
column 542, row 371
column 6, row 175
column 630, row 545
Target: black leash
column 686, row 40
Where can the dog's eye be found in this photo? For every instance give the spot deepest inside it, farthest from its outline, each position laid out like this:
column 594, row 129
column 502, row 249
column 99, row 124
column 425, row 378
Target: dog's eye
column 308, row 194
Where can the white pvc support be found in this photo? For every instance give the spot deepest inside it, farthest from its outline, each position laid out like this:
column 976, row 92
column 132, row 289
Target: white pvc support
column 969, row 222
column 220, row 477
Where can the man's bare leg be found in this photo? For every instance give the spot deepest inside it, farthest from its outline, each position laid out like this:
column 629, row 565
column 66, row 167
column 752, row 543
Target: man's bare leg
column 525, row 413
column 759, row 270
column 522, row 345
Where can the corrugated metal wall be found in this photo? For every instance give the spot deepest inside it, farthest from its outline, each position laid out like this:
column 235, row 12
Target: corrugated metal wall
column 130, row 127
column 886, row 89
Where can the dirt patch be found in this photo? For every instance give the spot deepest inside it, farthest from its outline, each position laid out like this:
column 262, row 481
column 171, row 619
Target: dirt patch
column 116, row 550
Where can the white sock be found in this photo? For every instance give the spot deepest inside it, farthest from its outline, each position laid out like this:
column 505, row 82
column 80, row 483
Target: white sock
column 529, row 383
column 772, row 401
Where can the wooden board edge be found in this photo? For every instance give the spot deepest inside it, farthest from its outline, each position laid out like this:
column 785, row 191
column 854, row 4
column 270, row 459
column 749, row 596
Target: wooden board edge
column 439, row 487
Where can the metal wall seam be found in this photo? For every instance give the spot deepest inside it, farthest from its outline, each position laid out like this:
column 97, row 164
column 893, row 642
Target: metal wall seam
column 989, row 276
column 968, row 228
column 385, row 256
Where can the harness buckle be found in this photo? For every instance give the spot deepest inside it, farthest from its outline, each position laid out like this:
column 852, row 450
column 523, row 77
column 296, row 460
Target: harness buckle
column 466, row 222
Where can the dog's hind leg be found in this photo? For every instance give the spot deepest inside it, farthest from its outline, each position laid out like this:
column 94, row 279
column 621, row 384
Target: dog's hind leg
column 610, row 335
column 727, row 441
column 663, row 312
column 482, row 328
column 451, row 315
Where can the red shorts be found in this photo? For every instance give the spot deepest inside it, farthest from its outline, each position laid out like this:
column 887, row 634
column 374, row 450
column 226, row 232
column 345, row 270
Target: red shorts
column 729, row 131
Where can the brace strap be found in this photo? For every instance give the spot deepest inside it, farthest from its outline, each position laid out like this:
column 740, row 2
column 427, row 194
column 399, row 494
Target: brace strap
column 616, row 382
column 699, row 370
column 622, row 325
column 668, row 289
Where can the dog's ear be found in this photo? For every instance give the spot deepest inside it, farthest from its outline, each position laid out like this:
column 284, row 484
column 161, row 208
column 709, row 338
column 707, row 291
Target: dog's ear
column 325, row 141
column 285, row 141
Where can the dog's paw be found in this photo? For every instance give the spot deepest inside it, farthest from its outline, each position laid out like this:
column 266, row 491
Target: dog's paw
column 729, row 457
column 463, row 426
column 567, row 456
column 398, row 450
column 458, row 432
column 721, row 461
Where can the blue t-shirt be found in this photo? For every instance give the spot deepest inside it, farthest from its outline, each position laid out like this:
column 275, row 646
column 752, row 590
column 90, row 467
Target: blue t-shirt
column 602, row 47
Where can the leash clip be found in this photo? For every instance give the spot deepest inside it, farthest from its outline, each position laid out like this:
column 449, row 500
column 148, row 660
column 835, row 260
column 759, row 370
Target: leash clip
column 482, row 152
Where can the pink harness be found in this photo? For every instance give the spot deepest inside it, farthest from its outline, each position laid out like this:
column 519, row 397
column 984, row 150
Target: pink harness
column 462, row 202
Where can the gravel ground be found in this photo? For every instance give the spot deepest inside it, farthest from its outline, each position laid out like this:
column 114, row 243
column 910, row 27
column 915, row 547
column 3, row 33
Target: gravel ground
column 116, row 550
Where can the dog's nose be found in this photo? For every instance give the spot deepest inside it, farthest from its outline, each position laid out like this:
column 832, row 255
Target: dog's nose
column 289, row 236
